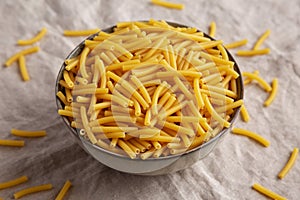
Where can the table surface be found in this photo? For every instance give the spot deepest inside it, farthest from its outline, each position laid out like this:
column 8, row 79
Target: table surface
column 227, row 173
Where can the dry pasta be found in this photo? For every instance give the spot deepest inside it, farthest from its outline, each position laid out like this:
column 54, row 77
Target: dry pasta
column 251, row 135
column 236, row 44
column 63, row 190
column 137, row 99
column 168, row 4
column 272, row 93
column 80, row 32
column 253, row 52
column 244, row 113
column 38, row 37
column 261, row 39
column 31, row 190
column 267, row 192
column 16, row 56
column 212, row 30
column 23, row 133
column 289, row 164
column 23, row 68
column 13, row 143
column 13, row 182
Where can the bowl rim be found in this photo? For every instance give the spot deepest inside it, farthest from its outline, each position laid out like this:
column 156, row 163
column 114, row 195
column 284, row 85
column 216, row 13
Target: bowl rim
column 218, row 136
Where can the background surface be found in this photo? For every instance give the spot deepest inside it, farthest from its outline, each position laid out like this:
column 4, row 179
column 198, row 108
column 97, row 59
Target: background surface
column 227, row 173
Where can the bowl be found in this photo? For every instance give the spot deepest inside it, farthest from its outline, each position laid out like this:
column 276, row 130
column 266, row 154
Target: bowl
column 150, row 166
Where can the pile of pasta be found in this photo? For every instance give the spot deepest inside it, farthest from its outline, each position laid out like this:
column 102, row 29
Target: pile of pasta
column 148, row 89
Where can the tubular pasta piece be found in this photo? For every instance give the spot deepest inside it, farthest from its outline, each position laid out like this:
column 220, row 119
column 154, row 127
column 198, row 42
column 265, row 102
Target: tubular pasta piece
column 85, row 122
column 212, row 30
column 63, row 190
column 31, row 190
column 236, row 44
column 262, row 82
column 244, row 113
column 38, row 37
column 23, row 68
column 289, row 164
column 262, row 38
column 168, row 4
column 253, row 52
column 13, row 182
column 127, row 149
column 20, row 53
column 273, row 92
column 252, row 135
column 12, row 143
column 267, row 192
column 23, row 133
column 80, row 32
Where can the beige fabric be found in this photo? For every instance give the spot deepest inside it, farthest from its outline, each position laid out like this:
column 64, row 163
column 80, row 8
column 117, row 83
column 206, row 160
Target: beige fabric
column 227, row 173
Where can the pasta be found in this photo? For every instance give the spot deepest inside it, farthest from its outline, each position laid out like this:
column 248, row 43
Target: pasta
column 253, row 52
column 273, row 92
column 267, row 192
column 31, row 190
column 63, row 190
column 80, row 32
column 212, row 31
column 23, row 69
column 236, row 44
column 168, row 4
column 244, row 113
column 13, row 143
column 289, row 164
column 23, row 133
column 162, row 97
column 261, row 39
column 262, row 82
column 14, row 182
column 251, row 135
column 38, row 37
column 24, row 52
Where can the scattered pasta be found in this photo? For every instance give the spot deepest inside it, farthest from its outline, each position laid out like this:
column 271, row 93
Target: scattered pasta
column 16, row 56
column 80, row 32
column 289, row 164
column 12, row 143
column 23, row 133
column 236, row 44
column 63, row 190
column 14, row 182
column 262, row 82
column 261, row 39
column 272, row 93
column 136, row 100
column 167, row 4
column 31, row 190
column 212, row 30
column 251, row 135
column 23, row 68
column 253, row 52
column 38, row 37
column 267, row 192
column 245, row 114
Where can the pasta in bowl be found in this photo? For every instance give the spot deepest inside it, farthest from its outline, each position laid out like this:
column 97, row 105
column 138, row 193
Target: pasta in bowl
column 149, row 97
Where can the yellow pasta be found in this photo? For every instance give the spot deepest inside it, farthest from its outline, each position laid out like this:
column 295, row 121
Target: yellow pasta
column 24, row 52
column 252, row 135
column 31, row 190
column 273, row 92
column 13, row 182
column 267, row 192
column 168, row 4
column 38, row 37
column 13, row 143
column 261, row 39
column 249, row 80
column 236, row 44
column 84, row 121
column 23, row 133
column 262, row 82
column 23, row 68
column 244, row 113
column 289, row 164
column 212, row 30
column 253, row 52
column 63, row 190
column 81, row 32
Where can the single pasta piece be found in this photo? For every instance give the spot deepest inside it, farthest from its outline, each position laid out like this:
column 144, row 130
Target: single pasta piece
column 23, row 133
column 236, row 44
column 212, row 30
column 267, row 192
column 166, row 4
column 261, row 39
column 38, row 37
column 12, row 143
column 63, row 190
column 273, row 92
column 253, row 52
column 81, row 32
column 245, row 114
column 20, row 53
column 249, row 80
column 289, row 164
column 251, row 135
column 31, row 190
column 262, row 82
column 14, row 182
column 23, row 68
